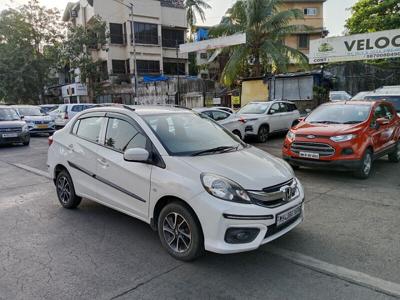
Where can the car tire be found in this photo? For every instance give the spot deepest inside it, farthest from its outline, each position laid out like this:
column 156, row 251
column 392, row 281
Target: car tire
column 66, row 191
column 263, row 133
column 295, row 167
column 395, row 155
column 237, row 133
column 26, row 143
column 180, row 232
column 365, row 168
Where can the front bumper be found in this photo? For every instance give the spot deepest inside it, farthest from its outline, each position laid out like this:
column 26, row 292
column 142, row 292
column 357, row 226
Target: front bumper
column 213, row 212
column 21, row 138
column 340, row 165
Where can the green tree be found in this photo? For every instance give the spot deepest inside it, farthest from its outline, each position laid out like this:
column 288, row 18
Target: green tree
column 193, row 8
column 78, row 50
column 266, row 27
column 29, row 45
column 374, row 15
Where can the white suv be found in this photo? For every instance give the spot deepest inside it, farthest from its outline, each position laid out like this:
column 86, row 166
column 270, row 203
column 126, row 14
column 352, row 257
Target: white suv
column 264, row 118
column 198, row 185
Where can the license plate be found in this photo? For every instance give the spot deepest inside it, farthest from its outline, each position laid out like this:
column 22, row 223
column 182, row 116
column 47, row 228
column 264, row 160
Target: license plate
column 42, row 126
column 288, row 215
column 10, row 135
column 312, row 155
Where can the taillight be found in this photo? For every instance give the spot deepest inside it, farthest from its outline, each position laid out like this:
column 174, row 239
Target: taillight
column 66, row 116
column 50, row 140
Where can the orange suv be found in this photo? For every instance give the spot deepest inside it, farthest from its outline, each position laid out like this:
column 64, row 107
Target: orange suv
column 345, row 136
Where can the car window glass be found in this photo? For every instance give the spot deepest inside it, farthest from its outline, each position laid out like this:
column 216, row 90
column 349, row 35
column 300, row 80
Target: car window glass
column 122, row 135
column 77, row 108
column 275, row 108
column 208, row 114
column 89, row 128
column 76, row 126
column 283, row 107
column 389, row 113
column 380, row 112
column 219, row 115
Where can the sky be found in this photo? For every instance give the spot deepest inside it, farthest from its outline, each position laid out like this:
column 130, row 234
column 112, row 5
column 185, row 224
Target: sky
column 336, row 11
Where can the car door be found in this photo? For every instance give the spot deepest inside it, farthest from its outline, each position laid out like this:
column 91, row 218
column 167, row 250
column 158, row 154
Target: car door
column 276, row 121
column 387, row 136
column 80, row 152
column 379, row 133
column 124, row 185
column 286, row 116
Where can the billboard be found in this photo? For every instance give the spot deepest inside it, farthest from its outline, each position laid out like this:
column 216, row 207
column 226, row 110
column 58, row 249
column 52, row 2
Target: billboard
column 217, row 43
column 375, row 45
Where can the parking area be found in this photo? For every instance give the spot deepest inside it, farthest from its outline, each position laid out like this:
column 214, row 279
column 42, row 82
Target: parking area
column 347, row 247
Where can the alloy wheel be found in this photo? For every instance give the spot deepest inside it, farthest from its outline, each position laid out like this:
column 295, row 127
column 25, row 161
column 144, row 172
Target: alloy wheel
column 177, row 233
column 367, row 163
column 64, row 189
column 263, row 134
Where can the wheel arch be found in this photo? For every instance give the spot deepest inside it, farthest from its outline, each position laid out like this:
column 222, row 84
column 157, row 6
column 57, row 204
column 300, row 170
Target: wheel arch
column 165, row 200
column 58, row 169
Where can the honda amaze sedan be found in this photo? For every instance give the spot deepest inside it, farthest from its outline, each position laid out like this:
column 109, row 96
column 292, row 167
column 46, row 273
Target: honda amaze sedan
column 193, row 181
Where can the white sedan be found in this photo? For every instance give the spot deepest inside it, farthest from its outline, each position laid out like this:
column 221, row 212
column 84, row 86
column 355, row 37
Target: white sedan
column 230, row 121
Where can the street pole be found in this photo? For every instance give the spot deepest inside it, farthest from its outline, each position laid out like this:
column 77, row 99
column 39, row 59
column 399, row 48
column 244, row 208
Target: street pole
column 177, row 73
column 133, row 41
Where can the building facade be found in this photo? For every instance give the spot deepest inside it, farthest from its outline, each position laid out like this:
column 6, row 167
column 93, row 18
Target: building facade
column 313, row 18
column 143, row 43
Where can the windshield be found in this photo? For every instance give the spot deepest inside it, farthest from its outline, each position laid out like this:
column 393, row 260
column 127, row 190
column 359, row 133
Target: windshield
column 8, row 114
column 47, row 109
column 254, row 108
column 30, row 111
column 395, row 100
column 340, row 114
column 187, row 134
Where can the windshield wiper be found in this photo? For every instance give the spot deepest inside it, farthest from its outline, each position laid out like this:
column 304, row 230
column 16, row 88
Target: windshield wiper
column 325, row 122
column 220, row 149
column 352, row 122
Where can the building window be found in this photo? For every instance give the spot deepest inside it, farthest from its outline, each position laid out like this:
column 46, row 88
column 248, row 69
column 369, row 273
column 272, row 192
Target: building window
column 146, row 33
column 173, row 68
column 172, row 37
column 148, row 67
column 204, row 55
column 304, row 41
column 310, row 11
column 120, row 66
column 117, row 35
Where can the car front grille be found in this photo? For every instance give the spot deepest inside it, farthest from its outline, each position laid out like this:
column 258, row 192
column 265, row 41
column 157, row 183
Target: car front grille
column 322, row 149
column 276, row 195
column 11, row 130
column 41, row 122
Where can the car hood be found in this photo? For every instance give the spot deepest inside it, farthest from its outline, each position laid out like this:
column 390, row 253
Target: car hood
column 251, row 168
column 37, row 118
column 326, row 129
column 11, row 124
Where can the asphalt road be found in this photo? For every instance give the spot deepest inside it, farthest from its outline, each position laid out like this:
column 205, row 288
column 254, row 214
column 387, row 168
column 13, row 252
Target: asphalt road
column 348, row 247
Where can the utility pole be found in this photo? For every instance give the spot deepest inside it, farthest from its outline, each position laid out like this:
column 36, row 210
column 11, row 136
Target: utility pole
column 133, row 41
column 177, row 101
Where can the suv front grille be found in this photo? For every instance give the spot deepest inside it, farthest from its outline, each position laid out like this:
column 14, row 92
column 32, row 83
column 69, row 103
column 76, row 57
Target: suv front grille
column 320, row 148
column 276, row 195
column 11, row 130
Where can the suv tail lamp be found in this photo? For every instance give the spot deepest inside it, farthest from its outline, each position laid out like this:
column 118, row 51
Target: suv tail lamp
column 242, row 120
column 50, row 140
column 66, row 117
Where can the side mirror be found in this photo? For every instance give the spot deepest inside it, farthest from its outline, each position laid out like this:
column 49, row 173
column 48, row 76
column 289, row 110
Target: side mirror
column 22, row 117
column 382, row 121
column 272, row 112
column 136, row 155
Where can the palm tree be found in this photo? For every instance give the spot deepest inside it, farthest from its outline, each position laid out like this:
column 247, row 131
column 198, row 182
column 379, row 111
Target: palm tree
column 195, row 7
column 266, row 27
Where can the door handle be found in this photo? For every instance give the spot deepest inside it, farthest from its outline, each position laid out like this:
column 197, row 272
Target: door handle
column 103, row 162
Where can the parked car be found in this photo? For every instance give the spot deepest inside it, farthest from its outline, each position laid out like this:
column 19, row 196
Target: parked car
column 230, row 121
column 63, row 114
column 339, row 96
column 345, row 136
column 37, row 121
column 391, row 97
column 200, row 187
column 227, row 109
column 12, row 129
column 360, row 96
column 46, row 108
column 264, row 118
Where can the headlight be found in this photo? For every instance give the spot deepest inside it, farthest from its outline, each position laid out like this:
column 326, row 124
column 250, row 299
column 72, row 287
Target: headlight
column 25, row 128
column 291, row 135
column 224, row 189
column 343, row 138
